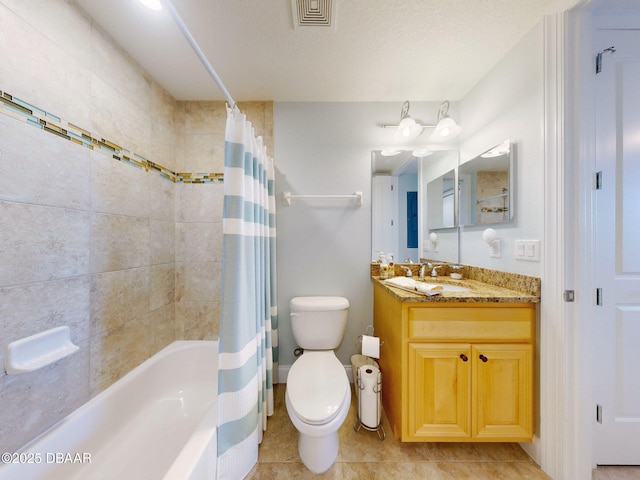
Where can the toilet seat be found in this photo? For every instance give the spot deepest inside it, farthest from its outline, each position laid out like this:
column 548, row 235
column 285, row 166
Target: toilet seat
column 317, row 386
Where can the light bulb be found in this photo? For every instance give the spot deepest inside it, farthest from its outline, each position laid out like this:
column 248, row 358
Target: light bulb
column 152, row 4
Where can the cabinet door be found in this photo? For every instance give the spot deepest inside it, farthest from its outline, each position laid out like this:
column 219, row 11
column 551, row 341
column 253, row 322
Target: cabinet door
column 439, row 385
column 502, row 392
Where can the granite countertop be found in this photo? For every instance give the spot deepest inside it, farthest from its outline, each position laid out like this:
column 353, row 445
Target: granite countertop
column 479, row 292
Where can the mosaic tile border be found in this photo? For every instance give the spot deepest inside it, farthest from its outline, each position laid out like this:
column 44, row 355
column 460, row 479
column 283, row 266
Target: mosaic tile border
column 32, row 115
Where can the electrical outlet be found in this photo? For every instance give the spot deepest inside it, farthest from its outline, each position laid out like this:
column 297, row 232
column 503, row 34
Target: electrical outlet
column 528, row 250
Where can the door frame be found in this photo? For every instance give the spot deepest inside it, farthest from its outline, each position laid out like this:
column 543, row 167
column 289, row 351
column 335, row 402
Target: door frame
column 575, row 399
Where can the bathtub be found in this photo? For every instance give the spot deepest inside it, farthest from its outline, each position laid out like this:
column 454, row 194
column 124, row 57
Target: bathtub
column 156, row 422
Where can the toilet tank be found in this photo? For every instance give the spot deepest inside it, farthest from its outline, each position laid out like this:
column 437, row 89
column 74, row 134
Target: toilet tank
column 319, row 323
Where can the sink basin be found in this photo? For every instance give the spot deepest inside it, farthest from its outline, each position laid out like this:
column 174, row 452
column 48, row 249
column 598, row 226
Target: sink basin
column 428, row 288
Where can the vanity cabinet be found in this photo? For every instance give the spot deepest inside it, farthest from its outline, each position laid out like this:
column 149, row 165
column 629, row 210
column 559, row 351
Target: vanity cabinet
column 454, row 371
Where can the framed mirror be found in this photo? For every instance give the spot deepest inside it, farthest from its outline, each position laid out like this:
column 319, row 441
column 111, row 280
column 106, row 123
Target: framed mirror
column 486, row 187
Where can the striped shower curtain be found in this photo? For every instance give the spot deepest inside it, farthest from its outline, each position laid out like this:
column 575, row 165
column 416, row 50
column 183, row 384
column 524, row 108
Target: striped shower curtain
column 248, row 325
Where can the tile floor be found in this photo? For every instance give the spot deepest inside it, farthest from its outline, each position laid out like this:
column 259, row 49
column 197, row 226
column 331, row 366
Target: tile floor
column 362, row 455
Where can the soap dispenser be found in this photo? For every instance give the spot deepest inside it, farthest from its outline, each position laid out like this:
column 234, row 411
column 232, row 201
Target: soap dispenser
column 391, row 269
column 384, row 266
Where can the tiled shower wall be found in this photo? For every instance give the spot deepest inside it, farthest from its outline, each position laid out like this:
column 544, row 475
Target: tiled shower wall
column 127, row 258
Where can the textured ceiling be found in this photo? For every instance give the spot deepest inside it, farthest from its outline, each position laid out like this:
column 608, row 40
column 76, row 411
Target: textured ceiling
column 378, row 50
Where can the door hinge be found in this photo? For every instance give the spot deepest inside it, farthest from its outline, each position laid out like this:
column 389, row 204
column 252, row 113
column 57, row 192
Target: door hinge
column 569, row 295
column 391, row 187
column 599, row 180
column 611, row 49
column 599, row 413
column 599, row 297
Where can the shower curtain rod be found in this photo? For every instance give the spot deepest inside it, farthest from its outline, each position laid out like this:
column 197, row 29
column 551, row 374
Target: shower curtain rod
column 192, row 41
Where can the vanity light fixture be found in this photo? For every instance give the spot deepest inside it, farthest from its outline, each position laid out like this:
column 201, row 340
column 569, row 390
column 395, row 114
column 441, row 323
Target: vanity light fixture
column 490, row 236
column 409, row 128
column 152, row 4
column 446, row 128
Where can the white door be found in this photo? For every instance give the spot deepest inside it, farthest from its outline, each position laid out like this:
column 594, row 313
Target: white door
column 384, row 216
column 616, row 354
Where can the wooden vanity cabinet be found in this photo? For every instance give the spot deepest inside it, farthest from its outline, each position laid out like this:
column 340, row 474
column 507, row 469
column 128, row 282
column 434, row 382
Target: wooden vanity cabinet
column 458, row 372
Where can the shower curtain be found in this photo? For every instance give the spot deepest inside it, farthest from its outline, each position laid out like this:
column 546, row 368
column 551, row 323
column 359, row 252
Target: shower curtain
column 248, row 326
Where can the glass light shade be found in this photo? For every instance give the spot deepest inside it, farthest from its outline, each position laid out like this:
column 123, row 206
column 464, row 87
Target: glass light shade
column 152, row 4
column 445, row 130
column 389, row 152
column 422, row 152
column 408, row 129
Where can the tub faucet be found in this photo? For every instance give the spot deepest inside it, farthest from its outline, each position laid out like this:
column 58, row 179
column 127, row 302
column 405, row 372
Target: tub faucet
column 408, row 269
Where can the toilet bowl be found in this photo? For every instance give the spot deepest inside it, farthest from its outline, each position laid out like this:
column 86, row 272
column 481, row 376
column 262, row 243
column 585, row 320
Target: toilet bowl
column 318, row 395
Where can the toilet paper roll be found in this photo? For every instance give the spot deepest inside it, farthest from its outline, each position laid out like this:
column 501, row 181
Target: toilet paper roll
column 371, row 346
column 369, row 383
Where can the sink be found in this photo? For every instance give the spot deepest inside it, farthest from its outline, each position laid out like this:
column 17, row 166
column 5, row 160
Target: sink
column 428, row 288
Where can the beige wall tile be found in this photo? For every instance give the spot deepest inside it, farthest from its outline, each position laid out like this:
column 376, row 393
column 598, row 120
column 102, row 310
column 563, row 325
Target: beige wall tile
column 162, row 242
column 200, row 320
column 39, row 168
column 162, row 198
column 118, row 242
column 116, row 352
column 119, row 297
column 61, row 21
column 114, row 66
column 118, row 119
column 163, row 328
column 28, row 54
column 199, row 202
column 42, row 243
column 198, row 241
column 162, row 285
column 198, row 282
column 118, row 188
column 202, row 153
column 203, row 117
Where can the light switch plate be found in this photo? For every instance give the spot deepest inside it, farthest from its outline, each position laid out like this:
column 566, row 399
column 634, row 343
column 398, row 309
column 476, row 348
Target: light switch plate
column 528, row 250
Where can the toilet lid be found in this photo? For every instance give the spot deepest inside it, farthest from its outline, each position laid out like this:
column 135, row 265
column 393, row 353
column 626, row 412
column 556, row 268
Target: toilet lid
column 317, row 385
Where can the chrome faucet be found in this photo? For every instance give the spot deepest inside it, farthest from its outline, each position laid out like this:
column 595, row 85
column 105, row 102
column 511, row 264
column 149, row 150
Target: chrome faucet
column 408, row 269
column 433, row 266
column 423, row 268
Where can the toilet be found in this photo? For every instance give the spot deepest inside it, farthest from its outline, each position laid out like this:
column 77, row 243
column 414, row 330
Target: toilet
column 318, row 395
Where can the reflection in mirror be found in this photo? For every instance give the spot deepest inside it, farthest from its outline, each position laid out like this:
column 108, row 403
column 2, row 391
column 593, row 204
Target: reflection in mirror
column 486, row 182
column 394, row 205
column 439, row 235
column 441, row 201
column 400, row 216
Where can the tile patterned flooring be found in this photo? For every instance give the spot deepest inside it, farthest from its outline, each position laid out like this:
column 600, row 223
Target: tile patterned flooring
column 363, row 455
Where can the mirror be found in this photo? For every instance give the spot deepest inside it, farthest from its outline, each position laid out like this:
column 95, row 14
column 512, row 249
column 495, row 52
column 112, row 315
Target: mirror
column 400, row 205
column 394, row 205
column 441, row 201
column 485, row 187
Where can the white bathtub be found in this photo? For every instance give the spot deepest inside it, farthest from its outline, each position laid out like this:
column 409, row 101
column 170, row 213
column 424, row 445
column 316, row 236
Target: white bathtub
column 156, row 422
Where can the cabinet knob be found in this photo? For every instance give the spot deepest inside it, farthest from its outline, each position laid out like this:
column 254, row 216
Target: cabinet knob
column 483, row 358
column 464, row 357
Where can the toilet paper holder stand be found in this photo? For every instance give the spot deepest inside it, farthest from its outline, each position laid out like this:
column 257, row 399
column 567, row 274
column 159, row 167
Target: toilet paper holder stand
column 379, row 429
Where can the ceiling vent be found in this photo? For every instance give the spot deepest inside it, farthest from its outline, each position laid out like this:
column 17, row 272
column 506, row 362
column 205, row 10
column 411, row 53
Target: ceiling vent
column 313, row 13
